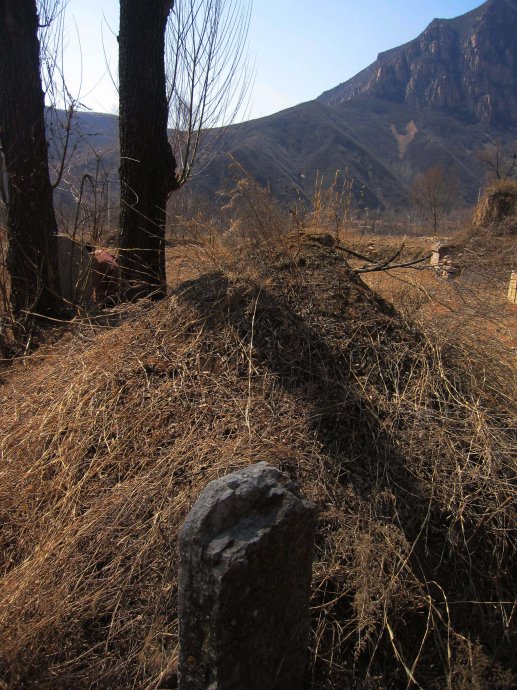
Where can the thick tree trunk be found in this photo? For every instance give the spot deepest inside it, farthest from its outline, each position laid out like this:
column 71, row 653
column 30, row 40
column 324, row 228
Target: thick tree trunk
column 31, row 222
column 145, row 156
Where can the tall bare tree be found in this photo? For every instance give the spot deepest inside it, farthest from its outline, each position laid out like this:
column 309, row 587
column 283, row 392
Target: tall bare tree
column 179, row 65
column 500, row 162
column 433, row 194
column 31, row 222
column 147, row 165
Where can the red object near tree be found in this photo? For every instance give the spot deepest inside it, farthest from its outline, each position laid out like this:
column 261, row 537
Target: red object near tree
column 105, row 274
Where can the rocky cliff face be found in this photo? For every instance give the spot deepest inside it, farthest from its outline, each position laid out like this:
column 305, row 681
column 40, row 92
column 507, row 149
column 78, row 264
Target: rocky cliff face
column 466, row 65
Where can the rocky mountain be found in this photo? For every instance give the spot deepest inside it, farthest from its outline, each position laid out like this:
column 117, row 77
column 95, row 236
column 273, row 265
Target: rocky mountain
column 437, row 100
column 466, row 66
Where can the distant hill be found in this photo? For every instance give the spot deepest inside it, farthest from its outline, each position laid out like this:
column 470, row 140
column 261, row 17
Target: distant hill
column 435, row 100
column 382, row 145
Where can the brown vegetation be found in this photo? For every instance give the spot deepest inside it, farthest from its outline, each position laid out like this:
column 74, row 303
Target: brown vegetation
column 497, row 208
column 277, row 352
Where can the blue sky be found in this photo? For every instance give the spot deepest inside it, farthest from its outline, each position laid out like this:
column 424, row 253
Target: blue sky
column 299, row 48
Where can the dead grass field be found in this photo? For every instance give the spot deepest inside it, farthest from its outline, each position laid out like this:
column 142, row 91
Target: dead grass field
column 474, row 304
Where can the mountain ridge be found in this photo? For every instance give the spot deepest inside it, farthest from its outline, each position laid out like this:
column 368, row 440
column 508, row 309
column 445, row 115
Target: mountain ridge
column 436, row 100
column 454, row 64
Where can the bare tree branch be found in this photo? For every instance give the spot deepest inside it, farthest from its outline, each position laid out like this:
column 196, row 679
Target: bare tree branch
column 387, row 266
column 432, row 194
column 207, row 75
column 61, row 105
column 500, row 162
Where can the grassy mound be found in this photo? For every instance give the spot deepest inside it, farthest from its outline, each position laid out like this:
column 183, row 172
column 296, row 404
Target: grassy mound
column 497, row 208
column 284, row 356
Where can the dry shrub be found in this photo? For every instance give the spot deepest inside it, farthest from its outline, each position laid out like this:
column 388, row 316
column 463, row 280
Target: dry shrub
column 284, row 356
column 332, row 208
column 253, row 214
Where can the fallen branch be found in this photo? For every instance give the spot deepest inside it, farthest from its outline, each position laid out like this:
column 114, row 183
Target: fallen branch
column 385, row 265
column 389, row 267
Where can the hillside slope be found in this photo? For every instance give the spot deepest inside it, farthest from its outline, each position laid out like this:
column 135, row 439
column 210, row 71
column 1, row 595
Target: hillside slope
column 381, row 145
column 438, row 99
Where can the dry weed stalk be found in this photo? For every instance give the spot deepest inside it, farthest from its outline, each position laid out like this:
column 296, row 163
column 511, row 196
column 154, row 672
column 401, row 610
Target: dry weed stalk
column 333, row 208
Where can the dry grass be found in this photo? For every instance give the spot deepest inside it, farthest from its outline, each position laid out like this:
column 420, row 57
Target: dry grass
column 497, row 208
column 473, row 312
column 278, row 353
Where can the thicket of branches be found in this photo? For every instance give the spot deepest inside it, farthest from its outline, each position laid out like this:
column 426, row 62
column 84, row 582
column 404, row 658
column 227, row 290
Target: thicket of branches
column 207, row 76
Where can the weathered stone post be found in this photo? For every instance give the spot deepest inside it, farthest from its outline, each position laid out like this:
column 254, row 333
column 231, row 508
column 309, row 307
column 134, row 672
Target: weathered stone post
column 244, row 582
column 512, row 290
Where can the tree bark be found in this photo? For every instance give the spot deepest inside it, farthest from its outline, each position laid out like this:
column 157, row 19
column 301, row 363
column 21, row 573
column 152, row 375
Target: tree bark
column 31, row 222
column 145, row 155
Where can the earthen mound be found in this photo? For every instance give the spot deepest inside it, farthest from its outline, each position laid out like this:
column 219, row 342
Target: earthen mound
column 497, row 208
column 282, row 356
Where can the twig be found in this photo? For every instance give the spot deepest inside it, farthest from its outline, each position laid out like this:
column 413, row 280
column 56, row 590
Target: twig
column 390, row 267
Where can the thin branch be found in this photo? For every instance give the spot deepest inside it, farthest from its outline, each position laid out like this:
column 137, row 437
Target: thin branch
column 68, row 129
column 391, row 267
column 207, row 77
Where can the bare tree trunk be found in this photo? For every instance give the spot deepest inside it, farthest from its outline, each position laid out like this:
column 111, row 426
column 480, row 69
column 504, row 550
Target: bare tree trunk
column 31, row 222
column 3, row 178
column 145, row 154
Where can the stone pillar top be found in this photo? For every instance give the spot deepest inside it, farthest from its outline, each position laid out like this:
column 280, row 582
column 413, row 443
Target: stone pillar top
column 238, row 496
